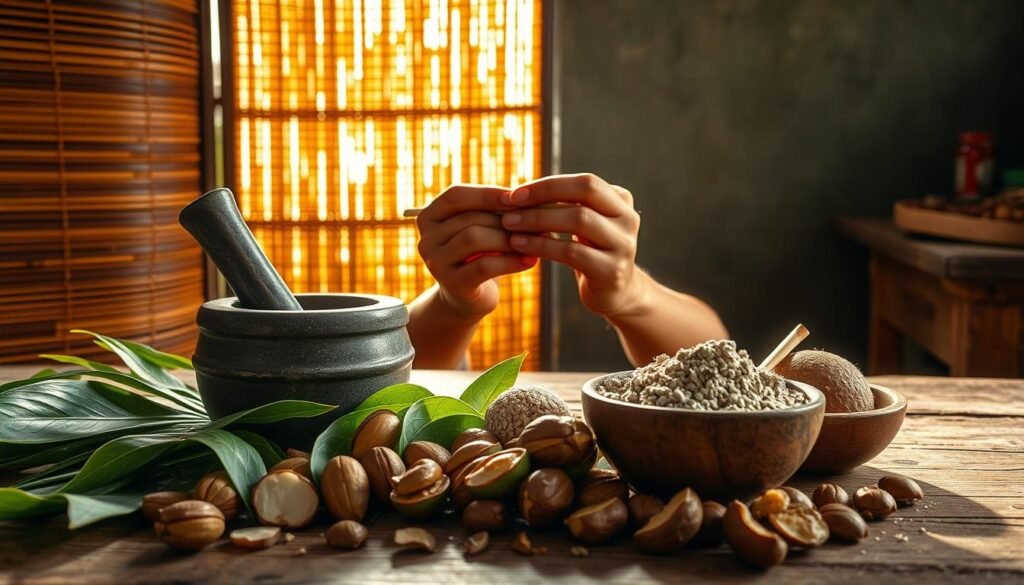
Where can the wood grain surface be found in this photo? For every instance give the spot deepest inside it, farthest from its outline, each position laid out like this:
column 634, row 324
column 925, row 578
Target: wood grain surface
column 963, row 440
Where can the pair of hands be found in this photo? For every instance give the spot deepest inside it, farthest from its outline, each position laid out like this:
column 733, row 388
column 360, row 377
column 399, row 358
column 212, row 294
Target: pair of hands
column 471, row 234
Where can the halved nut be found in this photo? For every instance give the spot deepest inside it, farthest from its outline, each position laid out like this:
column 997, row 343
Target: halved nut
column 499, row 475
column 256, row 537
column 751, row 541
column 800, row 526
column 285, row 498
column 643, row 507
column 477, row 543
column 422, row 475
column 346, row 534
column 424, row 503
column 674, row 525
column 769, row 502
column 468, row 452
column 600, row 522
column 415, row 538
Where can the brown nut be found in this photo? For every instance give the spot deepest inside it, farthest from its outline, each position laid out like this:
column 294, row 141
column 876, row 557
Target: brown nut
column 297, row 453
column 346, row 534
column 415, row 538
column 346, row 488
column 711, row 532
column 830, row 493
column 380, row 429
column 844, row 523
column 797, row 497
column 769, row 502
column 751, row 541
column 902, row 489
column 484, row 515
column 642, row 507
column 873, row 502
column 156, row 501
column 190, row 524
column 557, row 441
column 424, row 503
column 523, row 546
column 477, row 543
column 600, row 522
column 285, row 498
column 217, row 489
column 381, row 464
column 469, row 452
column 674, row 526
column 599, row 485
column 426, row 450
column 800, row 526
column 470, row 435
column 255, row 537
column 462, row 495
column 545, row 496
column 296, row 464
column 418, row 477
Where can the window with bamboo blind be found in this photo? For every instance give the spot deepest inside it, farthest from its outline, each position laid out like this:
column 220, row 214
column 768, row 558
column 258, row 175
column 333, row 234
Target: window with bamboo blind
column 347, row 112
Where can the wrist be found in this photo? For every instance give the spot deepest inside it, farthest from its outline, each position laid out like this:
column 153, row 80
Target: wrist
column 638, row 299
column 463, row 312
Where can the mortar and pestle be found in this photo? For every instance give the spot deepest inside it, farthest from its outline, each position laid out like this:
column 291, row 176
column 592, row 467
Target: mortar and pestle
column 267, row 344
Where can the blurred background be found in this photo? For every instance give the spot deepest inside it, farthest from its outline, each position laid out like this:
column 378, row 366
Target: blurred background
column 749, row 131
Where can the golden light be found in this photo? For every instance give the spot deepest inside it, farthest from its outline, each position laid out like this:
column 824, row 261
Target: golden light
column 350, row 111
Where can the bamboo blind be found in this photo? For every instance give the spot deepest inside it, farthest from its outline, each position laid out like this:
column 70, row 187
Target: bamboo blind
column 99, row 135
column 349, row 111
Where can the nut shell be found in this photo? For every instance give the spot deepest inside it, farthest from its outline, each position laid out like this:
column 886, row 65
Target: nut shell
column 426, row 450
column 797, row 497
column 711, row 532
column 545, row 496
column 499, row 475
column 557, row 441
column 347, row 534
column 345, row 488
column 424, row 503
column 470, row 435
column 380, row 429
column 217, row 489
column 873, row 502
column 299, row 465
column 642, row 507
column 418, row 477
column 600, row 522
column 902, row 489
column 599, row 485
column 484, row 515
column 844, row 523
column 256, row 537
column 415, row 538
column 381, row 464
column 830, row 493
column 800, row 526
column 190, row 524
column 156, row 501
column 674, row 525
column 469, row 452
column 751, row 541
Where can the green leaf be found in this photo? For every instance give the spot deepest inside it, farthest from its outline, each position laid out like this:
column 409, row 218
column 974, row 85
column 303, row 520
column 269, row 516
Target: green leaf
column 269, row 451
column 133, row 402
column 273, row 412
column 44, row 430
column 182, row 399
column 242, row 462
column 120, row 458
column 444, row 430
column 139, row 365
column 158, row 358
column 16, row 504
column 43, row 373
column 427, row 410
column 73, row 359
column 500, row 377
column 337, row 437
column 395, row 394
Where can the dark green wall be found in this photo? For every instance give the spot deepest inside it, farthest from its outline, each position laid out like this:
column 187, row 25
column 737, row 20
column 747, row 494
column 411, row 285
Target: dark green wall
column 744, row 127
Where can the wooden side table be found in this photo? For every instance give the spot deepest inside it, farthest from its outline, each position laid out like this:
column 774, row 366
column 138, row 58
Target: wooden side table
column 962, row 302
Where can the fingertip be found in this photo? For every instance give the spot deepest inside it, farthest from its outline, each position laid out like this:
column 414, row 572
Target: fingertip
column 519, row 196
column 519, row 241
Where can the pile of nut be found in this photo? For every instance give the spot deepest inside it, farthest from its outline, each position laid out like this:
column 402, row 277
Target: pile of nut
column 545, row 476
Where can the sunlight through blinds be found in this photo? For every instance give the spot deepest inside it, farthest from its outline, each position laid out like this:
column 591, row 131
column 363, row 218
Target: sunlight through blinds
column 349, row 111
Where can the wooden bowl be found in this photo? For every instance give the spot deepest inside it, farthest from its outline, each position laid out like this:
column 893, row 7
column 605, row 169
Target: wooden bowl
column 848, row 439
column 720, row 454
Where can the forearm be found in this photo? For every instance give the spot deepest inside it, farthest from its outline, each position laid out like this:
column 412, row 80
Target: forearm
column 440, row 336
column 663, row 321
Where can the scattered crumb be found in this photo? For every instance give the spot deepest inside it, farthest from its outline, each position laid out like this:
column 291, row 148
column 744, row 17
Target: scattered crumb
column 878, row 539
column 883, row 533
column 579, row 551
column 301, row 552
column 902, row 537
column 863, row 552
column 288, row 537
column 922, row 530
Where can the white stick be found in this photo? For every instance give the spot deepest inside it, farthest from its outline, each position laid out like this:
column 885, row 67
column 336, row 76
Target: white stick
column 798, row 334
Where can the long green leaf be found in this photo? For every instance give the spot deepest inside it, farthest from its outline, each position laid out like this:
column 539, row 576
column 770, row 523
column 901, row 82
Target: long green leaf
column 158, row 358
column 273, row 412
column 49, row 397
column 78, row 361
column 500, row 377
column 241, row 461
column 427, row 410
column 394, row 394
column 120, row 458
column 269, row 451
column 86, row 509
column 182, row 400
column 133, row 402
column 139, row 365
column 443, row 430
column 47, row 430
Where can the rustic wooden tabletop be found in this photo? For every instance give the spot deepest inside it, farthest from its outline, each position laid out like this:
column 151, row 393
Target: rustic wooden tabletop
column 963, row 440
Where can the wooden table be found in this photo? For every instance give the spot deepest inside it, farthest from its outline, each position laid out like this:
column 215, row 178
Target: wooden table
column 963, row 440
column 962, row 302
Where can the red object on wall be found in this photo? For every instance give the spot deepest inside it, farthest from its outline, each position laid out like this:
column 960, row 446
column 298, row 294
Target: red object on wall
column 974, row 167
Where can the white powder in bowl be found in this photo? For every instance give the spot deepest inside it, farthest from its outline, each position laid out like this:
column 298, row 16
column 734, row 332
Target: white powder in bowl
column 709, row 376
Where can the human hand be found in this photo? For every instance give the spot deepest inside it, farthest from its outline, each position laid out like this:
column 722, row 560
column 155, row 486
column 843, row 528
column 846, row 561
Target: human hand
column 465, row 247
column 604, row 227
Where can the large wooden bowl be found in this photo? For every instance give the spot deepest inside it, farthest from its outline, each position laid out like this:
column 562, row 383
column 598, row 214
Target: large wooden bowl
column 848, row 439
column 721, row 454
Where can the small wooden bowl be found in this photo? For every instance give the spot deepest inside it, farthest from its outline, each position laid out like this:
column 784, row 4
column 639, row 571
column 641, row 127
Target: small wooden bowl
column 720, row 454
column 848, row 439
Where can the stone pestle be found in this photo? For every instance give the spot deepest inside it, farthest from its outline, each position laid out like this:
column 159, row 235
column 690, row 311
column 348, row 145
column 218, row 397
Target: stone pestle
column 214, row 221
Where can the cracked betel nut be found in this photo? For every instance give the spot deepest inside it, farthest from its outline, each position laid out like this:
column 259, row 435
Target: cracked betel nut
column 797, row 497
column 190, row 524
column 904, row 490
column 426, row 450
column 515, row 408
column 418, row 477
column 545, row 496
column 830, row 493
column 255, row 537
column 477, row 543
column 154, row 502
column 470, row 452
column 474, row 434
column 296, row 464
column 498, row 476
column 800, row 526
column 345, row 488
column 844, row 523
column 381, row 464
column 711, row 532
column 600, row 484
column 600, row 522
column 380, row 429
column 642, row 507
column 484, row 515
column 285, row 498
column 415, row 539
column 216, row 488
column 424, row 503
column 557, row 441
column 769, row 502
column 873, row 502
column 347, row 534
column 752, row 542
column 461, row 495
column 673, row 526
